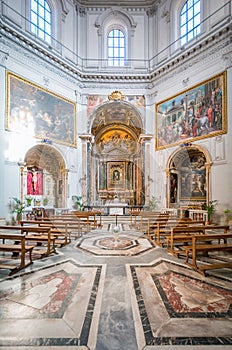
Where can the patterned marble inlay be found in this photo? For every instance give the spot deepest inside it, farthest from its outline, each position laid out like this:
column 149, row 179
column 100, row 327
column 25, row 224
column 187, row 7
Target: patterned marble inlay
column 183, row 295
column 169, row 297
column 112, row 243
column 57, row 305
column 106, row 245
column 47, row 295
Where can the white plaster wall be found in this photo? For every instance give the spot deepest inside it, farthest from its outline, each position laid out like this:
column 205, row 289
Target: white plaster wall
column 92, row 40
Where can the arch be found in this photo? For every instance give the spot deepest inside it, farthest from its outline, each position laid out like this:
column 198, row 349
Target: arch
column 116, row 127
column 117, row 14
column 175, row 9
column 59, row 12
column 45, row 164
column 115, row 18
column 188, row 176
column 112, row 112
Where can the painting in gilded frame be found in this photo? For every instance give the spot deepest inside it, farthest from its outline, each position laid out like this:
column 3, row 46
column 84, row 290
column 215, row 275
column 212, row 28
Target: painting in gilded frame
column 196, row 113
column 116, row 176
column 35, row 111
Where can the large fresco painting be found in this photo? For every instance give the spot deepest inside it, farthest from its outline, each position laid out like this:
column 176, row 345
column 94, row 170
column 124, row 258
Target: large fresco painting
column 35, row 111
column 199, row 112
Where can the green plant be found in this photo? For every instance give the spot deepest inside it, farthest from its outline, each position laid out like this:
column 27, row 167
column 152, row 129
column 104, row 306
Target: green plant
column 153, row 203
column 28, row 199
column 228, row 214
column 77, row 202
column 16, row 206
column 45, row 201
column 210, row 208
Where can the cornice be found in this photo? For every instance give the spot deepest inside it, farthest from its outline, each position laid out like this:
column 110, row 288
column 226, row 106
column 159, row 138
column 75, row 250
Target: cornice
column 137, row 4
column 214, row 44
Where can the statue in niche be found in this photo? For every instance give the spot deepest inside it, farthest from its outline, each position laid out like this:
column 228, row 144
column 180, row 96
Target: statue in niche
column 34, row 181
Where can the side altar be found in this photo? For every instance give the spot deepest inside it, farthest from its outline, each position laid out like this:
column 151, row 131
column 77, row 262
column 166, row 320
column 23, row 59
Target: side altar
column 116, row 207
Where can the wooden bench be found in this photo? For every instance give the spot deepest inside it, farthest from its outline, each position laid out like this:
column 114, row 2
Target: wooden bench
column 182, row 235
column 146, row 218
column 75, row 225
column 163, row 230
column 59, row 230
column 19, row 246
column 205, row 244
column 40, row 235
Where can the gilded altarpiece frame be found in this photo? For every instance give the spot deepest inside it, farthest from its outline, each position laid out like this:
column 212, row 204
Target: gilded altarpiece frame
column 116, row 176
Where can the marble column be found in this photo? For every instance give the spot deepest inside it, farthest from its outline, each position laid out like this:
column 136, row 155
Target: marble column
column 85, row 139
column 21, row 181
column 65, row 193
column 146, row 140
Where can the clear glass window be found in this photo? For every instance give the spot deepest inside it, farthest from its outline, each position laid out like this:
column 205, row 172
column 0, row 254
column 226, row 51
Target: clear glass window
column 190, row 19
column 116, row 48
column 41, row 20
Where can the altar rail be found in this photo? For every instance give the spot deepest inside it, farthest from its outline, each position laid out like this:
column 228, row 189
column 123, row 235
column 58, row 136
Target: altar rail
column 107, row 209
column 194, row 214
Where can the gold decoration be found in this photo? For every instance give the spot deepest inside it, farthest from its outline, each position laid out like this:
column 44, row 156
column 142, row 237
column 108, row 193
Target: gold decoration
column 116, row 95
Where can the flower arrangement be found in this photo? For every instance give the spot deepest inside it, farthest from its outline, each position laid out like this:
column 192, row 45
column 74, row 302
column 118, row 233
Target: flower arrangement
column 16, row 206
column 210, row 208
column 29, row 200
column 77, row 202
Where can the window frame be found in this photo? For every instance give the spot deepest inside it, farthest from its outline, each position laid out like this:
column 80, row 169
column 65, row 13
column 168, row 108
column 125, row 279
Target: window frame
column 196, row 29
column 38, row 28
column 121, row 60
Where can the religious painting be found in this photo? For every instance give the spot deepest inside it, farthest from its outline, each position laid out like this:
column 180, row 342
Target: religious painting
column 34, row 111
column 193, row 179
column 196, row 113
column 92, row 102
column 116, row 141
column 116, row 176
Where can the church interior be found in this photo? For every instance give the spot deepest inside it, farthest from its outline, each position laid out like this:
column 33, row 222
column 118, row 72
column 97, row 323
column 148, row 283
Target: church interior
column 115, row 181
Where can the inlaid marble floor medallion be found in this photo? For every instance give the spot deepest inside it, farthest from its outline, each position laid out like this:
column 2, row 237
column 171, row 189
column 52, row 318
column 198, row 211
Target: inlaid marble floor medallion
column 58, row 305
column 168, row 298
column 108, row 244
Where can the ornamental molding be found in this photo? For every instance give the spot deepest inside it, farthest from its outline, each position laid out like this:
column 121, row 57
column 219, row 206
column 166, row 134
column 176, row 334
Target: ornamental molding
column 116, row 12
column 23, row 49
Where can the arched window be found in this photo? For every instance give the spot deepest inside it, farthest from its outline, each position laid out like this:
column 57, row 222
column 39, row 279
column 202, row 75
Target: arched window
column 116, row 48
column 41, row 20
column 190, row 19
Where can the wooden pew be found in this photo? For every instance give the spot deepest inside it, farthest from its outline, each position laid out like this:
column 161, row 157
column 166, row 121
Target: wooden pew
column 180, row 236
column 19, row 246
column 146, row 218
column 205, row 244
column 59, row 230
column 163, row 229
column 75, row 225
column 40, row 235
column 134, row 213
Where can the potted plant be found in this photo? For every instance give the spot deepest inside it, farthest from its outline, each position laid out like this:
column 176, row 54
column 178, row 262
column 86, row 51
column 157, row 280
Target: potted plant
column 77, row 202
column 16, row 206
column 210, row 208
column 228, row 216
column 153, row 203
column 28, row 200
column 45, row 201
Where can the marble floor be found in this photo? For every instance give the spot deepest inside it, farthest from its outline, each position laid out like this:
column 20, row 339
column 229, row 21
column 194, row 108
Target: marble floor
column 115, row 292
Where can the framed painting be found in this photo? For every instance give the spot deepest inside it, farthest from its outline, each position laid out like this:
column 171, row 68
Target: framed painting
column 196, row 113
column 116, row 176
column 33, row 110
